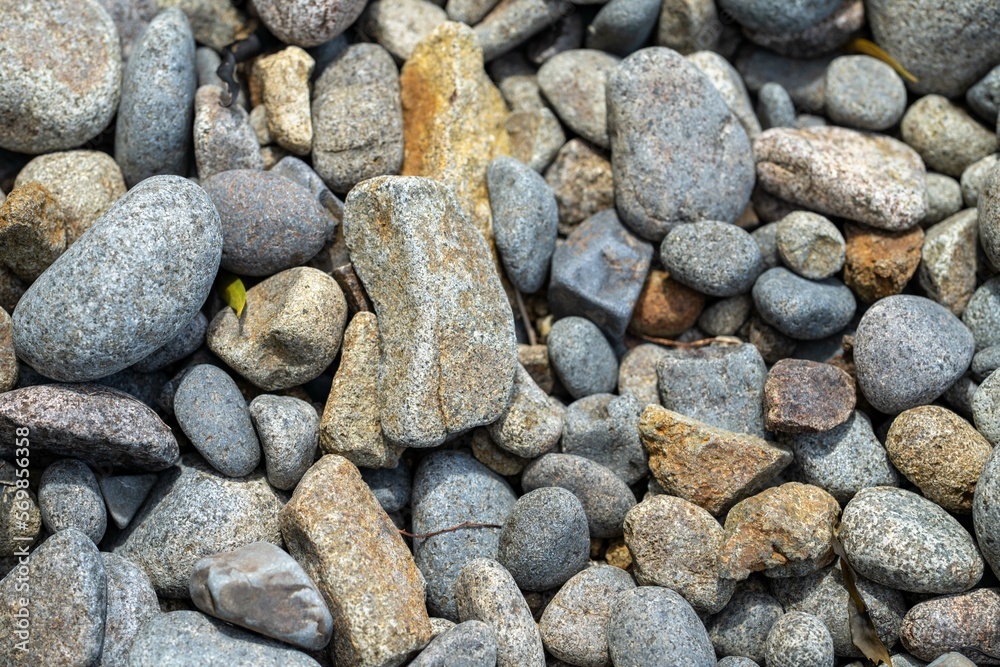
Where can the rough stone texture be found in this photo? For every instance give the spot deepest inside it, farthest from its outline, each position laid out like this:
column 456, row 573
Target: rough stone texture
column 725, row 316
column 864, row 92
column 605, row 429
column 399, row 25
column 655, row 626
column 708, row 466
column 868, row 178
column 348, row 545
column 95, row 424
column 138, row 277
column 131, row 17
column 536, row 136
column 125, row 494
column 784, row 531
column 582, row 358
column 57, row 97
column 989, row 217
column 493, row 457
column 131, row 603
column 985, row 414
column 532, row 423
column 581, row 179
column 944, row 197
column 453, row 140
column 68, row 497
column 907, row 351
column 289, row 332
column 20, row 518
column 228, row 513
column 715, row 258
column 798, row 639
column 574, row 82
column 807, row 397
column 945, row 135
column 512, row 22
column 216, row 23
column 800, row 308
column 469, row 644
column 449, row 354
column 282, row 80
column 573, row 623
column 975, row 177
column 985, row 502
column 703, row 169
column 637, row 373
column 223, row 136
column 902, row 540
column 307, row 23
column 810, row 245
column 190, row 338
column 741, row 628
column 665, row 308
column 32, row 231
column 288, row 429
column 948, row 261
column 688, row 25
column 982, row 314
column 963, row 622
column 730, row 85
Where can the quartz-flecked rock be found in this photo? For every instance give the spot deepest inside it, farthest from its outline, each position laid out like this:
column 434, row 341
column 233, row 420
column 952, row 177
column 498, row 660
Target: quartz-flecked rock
column 651, row 625
column 283, row 81
column 806, row 396
column 69, row 497
column 948, row 260
column 446, row 329
column 224, row 139
column 307, row 22
column 347, row 544
column 963, row 622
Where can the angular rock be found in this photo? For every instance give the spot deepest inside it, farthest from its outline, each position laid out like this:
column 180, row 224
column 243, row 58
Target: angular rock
column 880, row 263
column 605, row 428
column 581, row 180
column 125, row 494
column 807, row 397
column 283, row 81
column 223, row 137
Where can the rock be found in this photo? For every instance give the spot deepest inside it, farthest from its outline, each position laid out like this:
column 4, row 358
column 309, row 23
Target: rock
column 215, row 23
column 430, row 297
column 800, row 308
column 725, row 316
column 944, row 197
column 984, row 513
column 984, row 408
column 637, row 373
column 784, row 531
column 486, row 592
column 769, row 15
column 545, row 539
column 358, row 118
column 399, row 25
column 984, row 96
column 774, row 107
column 214, row 416
column 688, row 25
column 289, row 332
column 908, row 350
column 131, row 604
column 707, row 466
column 153, row 129
column 741, row 628
column 449, row 488
column 836, row 171
column 598, row 273
column 665, row 308
column 67, row 605
column 288, row 429
column 296, row 170
column 574, row 83
column 975, row 178
column 513, row 22
column 125, row 494
column 532, row 423
column 20, row 518
column 573, row 623
column 32, row 230
column 308, row 23
column 348, row 545
column 493, row 457
column 182, row 345
column 69, row 498
column 604, row 429
column 798, row 639
column 131, row 17
column 224, row 140
column 945, row 135
column 582, row 357
column 174, row 243
column 282, row 80
column 49, row 106
column 982, row 314
column 962, row 622
column 865, row 93
column 810, row 245
column 453, row 141
column 880, row 263
column 286, row 605
column 985, row 362
column 470, row 644
column 230, row 513
column 730, row 85
column 715, row 258
column 391, row 486
column 97, row 425
column 807, row 397
column 581, row 180
column 952, row 660
column 697, row 142
column 535, row 137
column 622, row 26
column 899, row 539
column 802, row 79
column 650, row 625
column 525, row 221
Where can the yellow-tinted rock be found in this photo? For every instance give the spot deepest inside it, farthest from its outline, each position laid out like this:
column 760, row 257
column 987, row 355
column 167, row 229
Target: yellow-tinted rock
column 283, row 82
column 32, row 231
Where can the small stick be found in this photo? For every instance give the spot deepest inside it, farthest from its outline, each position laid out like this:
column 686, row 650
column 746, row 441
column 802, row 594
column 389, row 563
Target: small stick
column 466, row 524
column 532, row 338
column 697, row 343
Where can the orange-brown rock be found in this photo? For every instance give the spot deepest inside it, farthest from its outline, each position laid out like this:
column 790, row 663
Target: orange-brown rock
column 710, row 467
column 665, row 308
column 32, row 231
column 453, row 117
column 880, row 263
column 802, row 396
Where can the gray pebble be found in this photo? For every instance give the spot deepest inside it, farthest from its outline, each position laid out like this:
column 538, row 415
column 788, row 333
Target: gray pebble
column 125, row 494
column 131, row 603
column 391, row 486
column 908, row 350
column 510, row 24
column 288, row 430
column 779, row 15
column 535, row 137
column 798, row 639
column 986, row 408
column 622, row 26
column 545, row 539
column 951, row 659
column 730, row 85
column 975, row 177
column 984, row 96
column 902, row 540
column 531, row 424
column 960, row 395
column 574, row 84
column 298, row 171
column 986, row 511
column 982, row 314
column 305, row 23
column 800, row 308
column 469, row 644
column 989, row 218
column 715, row 258
column 525, row 221
column 725, row 316
column 948, row 262
column 737, row 661
column 946, row 136
column 582, row 357
column 187, row 341
column 741, row 628
column 399, row 25
column 985, row 362
column 224, row 139
column 775, row 107
column 766, row 237
column 637, row 373
column 810, row 245
column 566, row 34
column 864, row 92
column 605, row 428
column 69, row 497
column 652, row 626
column 944, row 198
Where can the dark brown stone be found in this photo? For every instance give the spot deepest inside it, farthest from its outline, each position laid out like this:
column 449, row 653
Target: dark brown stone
column 879, row 263
column 807, row 397
column 665, row 307
column 357, row 298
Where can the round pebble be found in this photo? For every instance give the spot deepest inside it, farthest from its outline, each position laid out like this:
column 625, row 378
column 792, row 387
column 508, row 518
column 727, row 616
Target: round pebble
column 810, row 245
column 651, row 625
column 574, row 83
column 622, row 26
column 288, row 429
column 802, row 308
column 308, row 22
column 714, row 258
column 775, row 107
column 69, row 497
column 982, row 314
column 741, row 628
column 864, row 92
column 944, row 198
column 946, row 136
column 582, row 357
column 798, row 639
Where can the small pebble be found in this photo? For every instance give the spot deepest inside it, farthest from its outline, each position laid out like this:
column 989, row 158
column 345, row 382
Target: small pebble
column 131, row 604
column 688, row 25
column 391, row 486
column 948, row 261
column 773, row 15
column 574, row 84
column 224, row 138
column 714, row 258
column 984, row 96
column 741, row 628
column 471, row 644
column 810, row 245
column 650, row 625
column 774, row 107
column 807, row 397
column 531, row 424
column 604, row 429
column 975, row 177
column 306, row 23
column 800, row 308
column 622, row 26
column 637, row 373
column 399, row 25
column 69, row 497
column 944, row 197
column 798, row 639
column 288, row 430
column 535, row 137
column 282, row 81
column 946, row 136
column 864, row 92
column 665, row 308
column 510, row 24
column 125, row 494
column 982, row 314
column 725, row 316
column 582, row 357
column 580, row 178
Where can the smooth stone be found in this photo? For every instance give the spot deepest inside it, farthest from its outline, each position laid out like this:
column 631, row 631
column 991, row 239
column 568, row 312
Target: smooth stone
column 864, row 92
column 985, row 501
column 399, row 25
column 131, row 604
column 296, row 170
column 391, row 486
column 69, row 497
column 288, row 430
column 948, row 261
column 582, row 357
column 183, row 344
column 622, row 26
column 775, row 15
column 945, row 135
column 581, row 179
column 32, row 231
column 468, row 644
column 902, row 540
column 964, row 622
column 988, row 208
column 820, row 38
column 907, row 351
column 985, row 362
column 230, row 512
column 798, row 639
column 775, row 107
column 810, row 245
column 305, row 22
column 173, row 236
column 985, row 413
column 800, row 308
column 802, row 79
column 604, row 429
column 975, row 178
column 513, row 22
column 125, row 494
column 730, row 85
column 803, row 396
column 944, row 197
column 715, row 258
column 574, row 83
column 9, row 369
column 532, row 423
column 984, row 96
column 652, row 626
column 741, row 628
column 695, row 142
column 224, row 139
column 982, row 314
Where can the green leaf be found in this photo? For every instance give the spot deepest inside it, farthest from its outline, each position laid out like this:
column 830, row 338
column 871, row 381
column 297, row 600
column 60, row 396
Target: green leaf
column 232, row 291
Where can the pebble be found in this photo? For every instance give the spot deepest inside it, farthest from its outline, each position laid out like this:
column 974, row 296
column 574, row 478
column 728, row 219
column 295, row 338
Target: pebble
column 288, row 429
column 449, row 299
column 125, row 494
column 518, row 82
column 68, row 497
column 289, row 332
column 952, row 660
column 573, row 623
column 230, row 513
column 131, row 604
column 9, row 371
column 20, row 517
column 984, row 408
column 531, row 424
column 182, row 638
column 784, row 531
column 665, row 308
column 545, row 539
column 810, row 245
column 963, row 622
column 582, row 357
column 598, row 273
column 566, row 34
column 675, row 544
column 535, row 137
column 333, row 525
column 175, row 242
column 989, row 219
column 131, row 17
column 296, row 170
column 282, row 82
column 798, row 639
column 802, row 79
column 574, row 83
column 908, row 350
column 715, row 258
column 741, row 628
column 623, row 26
column 224, row 139
column 486, row 592
column 729, row 84
column 525, row 221
column 357, row 117
column 975, row 178
column 470, row 644
column 865, row 93
column 774, row 16
column 982, row 314
column 637, row 373
column 493, row 457
column 766, row 237
column 399, row 25
column 449, row 488
column 98, row 425
column 807, row 397
column 820, row 38
column 837, row 172
column 67, row 583
column 707, row 466
column 948, row 261
column 510, row 24
column 391, row 486
column 843, row 460
column 305, row 22
column 688, row 25
column 32, row 231
column 604, row 429
column 944, row 197
column 153, row 128
column 774, row 107
column 984, row 96
column 737, row 661
column 725, row 316
column 985, row 362
column 650, row 625
column 581, row 179
column 286, row 605
column 800, row 308
column 984, row 513
column 705, row 167
column 946, row 136
column 64, row 94
column 902, row 540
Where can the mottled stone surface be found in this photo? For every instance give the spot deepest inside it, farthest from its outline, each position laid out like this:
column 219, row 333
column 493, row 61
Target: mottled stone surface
column 741, row 628
column 799, row 639
column 801, row 308
column 469, row 644
column 399, row 25
column 68, row 497
column 605, row 429
column 190, row 338
column 574, row 82
column 532, row 423
column 730, row 85
column 805, row 396
column 32, row 231
column 580, row 177
column 305, row 23
column 665, row 308
column 946, row 136
column 650, row 623
column 288, row 429
column 954, row 623
column 513, row 22
column 880, row 263
column 223, row 136
column 282, row 80
column 131, row 603
column 715, row 258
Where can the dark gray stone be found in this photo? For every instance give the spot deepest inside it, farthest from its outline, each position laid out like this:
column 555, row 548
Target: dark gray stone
column 469, row 644
column 288, row 429
column 391, row 486
column 801, row 308
column 131, row 604
column 622, row 26
column 985, row 362
column 186, row 342
column 124, row 495
column 798, row 639
column 605, row 428
column 984, row 97
column 775, row 107
column 531, row 424
column 944, row 198
column 779, row 15
column 298, row 171
column 725, row 316
column 737, row 661
column 715, row 258
column 655, row 627
column 512, row 23
column 582, row 357
column 68, row 497
column 741, row 628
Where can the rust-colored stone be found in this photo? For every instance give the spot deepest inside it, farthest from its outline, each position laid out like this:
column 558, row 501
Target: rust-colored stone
column 880, row 263
column 357, row 298
column 803, row 396
column 32, row 231
column 665, row 308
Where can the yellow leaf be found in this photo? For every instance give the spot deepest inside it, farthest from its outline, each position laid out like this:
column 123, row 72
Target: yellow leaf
column 870, row 48
column 232, row 291
column 863, row 632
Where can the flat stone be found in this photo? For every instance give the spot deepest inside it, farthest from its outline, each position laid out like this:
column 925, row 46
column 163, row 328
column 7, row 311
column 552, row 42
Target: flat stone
column 741, row 628
column 223, row 136
column 574, row 83
column 945, row 135
column 965, row 622
column 800, row 308
column 649, row 623
column 582, row 357
column 807, row 397
column 707, row 466
column 32, row 231
column 469, row 644
column 798, row 639
column 581, row 179
column 605, row 428
column 69, row 498
column 532, row 424
column 131, row 603
column 288, row 429
column 125, row 494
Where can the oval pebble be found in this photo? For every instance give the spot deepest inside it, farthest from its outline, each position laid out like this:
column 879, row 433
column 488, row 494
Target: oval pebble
column 308, row 22
column 69, row 497
column 652, row 626
column 801, row 308
column 986, row 511
column 810, row 245
column 741, row 628
column 714, row 258
column 798, row 639
column 864, row 92
column 582, row 357
column 470, row 644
